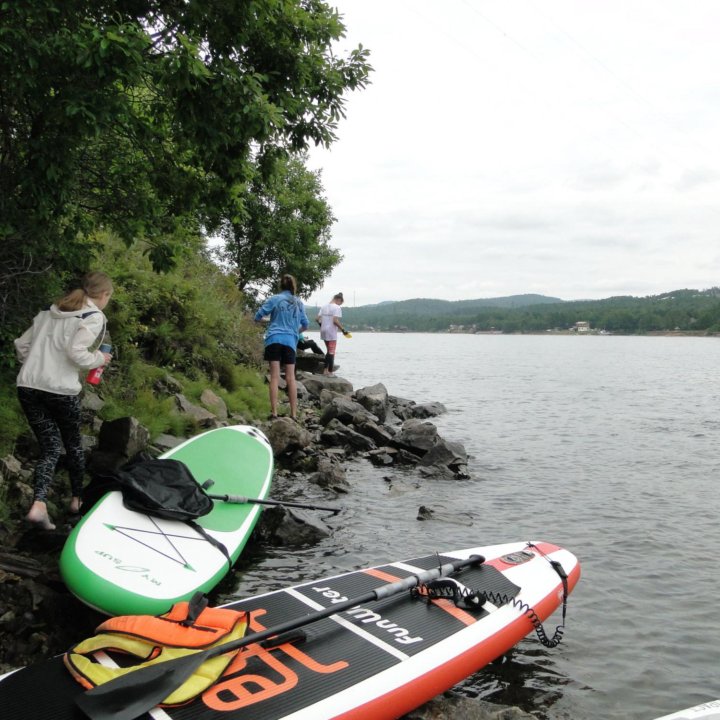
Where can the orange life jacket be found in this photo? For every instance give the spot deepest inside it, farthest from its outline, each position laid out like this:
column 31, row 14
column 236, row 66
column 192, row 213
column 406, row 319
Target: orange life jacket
column 153, row 639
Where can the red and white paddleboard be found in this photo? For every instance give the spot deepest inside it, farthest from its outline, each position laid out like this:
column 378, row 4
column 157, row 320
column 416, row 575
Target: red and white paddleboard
column 375, row 660
column 709, row 710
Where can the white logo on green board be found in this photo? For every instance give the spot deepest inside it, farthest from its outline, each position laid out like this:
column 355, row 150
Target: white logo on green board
column 142, row 572
column 158, row 541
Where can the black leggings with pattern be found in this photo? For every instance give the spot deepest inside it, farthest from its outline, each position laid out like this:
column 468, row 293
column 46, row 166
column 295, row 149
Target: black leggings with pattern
column 55, row 420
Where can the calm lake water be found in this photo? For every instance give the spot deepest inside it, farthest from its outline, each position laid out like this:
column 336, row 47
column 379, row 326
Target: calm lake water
column 609, row 446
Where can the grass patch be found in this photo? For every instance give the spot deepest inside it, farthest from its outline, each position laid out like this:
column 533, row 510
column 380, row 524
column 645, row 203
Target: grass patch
column 133, row 390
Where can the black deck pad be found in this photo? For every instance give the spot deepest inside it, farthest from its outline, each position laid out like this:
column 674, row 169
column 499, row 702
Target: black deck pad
column 269, row 683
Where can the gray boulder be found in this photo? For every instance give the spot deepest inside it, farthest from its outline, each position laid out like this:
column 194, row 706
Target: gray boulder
column 214, row 403
column 377, row 433
column 417, row 436
column 331, row 476
column 465, row 519
column 384, row 456
column 10, row 466
column 400, row 408
column 375, row 399
column 286, row 436
column 335, row 433
column 310, row 362
column 204, row 417
column 91, row 402
column 124, row 436
column 302, row 391
column 346, row 411
column 327, row 396
column 315, row 384
column 446, row 455
column 292, row 527
column 167, row 385
column 427, row 410
column 118, row 441
column 165, row 442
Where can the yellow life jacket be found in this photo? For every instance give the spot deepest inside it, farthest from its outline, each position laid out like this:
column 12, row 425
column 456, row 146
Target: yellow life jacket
column 153, row 639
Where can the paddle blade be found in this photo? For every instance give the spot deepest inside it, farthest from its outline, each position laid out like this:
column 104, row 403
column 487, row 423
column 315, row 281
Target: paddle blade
column 128, row 696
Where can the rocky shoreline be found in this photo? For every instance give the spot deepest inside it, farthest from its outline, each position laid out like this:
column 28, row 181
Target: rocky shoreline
column 38, row 616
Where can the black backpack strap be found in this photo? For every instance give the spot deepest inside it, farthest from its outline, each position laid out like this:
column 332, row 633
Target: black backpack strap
column 81, row 317
column 101, row 334
column 213, row 541
column 198, row 602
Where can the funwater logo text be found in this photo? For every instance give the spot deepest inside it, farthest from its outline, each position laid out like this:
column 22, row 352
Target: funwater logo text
column 366, row 616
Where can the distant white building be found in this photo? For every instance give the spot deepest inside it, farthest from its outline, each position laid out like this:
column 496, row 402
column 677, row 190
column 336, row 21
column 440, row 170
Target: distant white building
column 582, row 326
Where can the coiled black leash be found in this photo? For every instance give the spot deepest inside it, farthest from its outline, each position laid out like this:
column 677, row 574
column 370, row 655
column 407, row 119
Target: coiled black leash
column 469, row 599
column 560, row 629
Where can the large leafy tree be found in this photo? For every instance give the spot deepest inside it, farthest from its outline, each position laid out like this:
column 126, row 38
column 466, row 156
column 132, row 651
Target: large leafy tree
column 150, row 117
column 285, row 227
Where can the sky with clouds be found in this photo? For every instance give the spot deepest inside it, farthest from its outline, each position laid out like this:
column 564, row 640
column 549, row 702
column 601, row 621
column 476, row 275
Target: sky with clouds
column 563, row 147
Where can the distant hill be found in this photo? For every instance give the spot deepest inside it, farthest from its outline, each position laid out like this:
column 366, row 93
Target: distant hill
column 427, row 306
column 427, row 313
column 684, row 310
column 389, row 313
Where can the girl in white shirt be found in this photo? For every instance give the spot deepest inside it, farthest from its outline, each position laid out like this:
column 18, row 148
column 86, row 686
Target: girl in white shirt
column 53, row 351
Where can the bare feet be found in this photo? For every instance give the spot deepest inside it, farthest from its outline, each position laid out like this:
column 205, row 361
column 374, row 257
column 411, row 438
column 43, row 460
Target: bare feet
column 75, row 505
column 38, row 515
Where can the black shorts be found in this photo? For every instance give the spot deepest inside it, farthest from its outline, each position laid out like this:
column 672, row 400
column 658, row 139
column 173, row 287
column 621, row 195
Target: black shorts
column 280, row 353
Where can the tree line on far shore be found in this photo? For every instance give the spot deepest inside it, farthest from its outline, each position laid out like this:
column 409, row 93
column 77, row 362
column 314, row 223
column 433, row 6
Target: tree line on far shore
column 686, row 310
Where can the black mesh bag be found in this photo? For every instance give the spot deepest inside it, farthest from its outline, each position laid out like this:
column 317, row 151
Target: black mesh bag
column 157, row 487
column 163, row 488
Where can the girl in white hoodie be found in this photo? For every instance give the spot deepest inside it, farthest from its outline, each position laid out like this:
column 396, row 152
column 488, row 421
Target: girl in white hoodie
column 53, row 351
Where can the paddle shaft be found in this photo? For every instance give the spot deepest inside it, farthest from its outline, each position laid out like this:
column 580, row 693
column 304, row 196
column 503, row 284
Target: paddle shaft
column 129, row 696
column 241, row 500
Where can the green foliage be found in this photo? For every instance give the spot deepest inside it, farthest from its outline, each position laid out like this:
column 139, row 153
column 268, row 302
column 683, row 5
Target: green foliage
column 189, row 320
column 135, row 392
column 12, row 420
column 158, row 415
column 145, row 123
column 245, row 394
column 189, row 323
column 284, row 228
column 148, row 118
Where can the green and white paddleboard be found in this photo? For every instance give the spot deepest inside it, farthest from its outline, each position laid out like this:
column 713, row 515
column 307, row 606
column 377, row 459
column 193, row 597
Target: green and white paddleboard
column 123, row 562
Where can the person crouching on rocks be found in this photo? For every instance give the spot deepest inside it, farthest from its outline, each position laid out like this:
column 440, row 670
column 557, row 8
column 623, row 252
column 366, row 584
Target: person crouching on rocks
column 53, row 351
column 306, row 343
column 287, row 320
